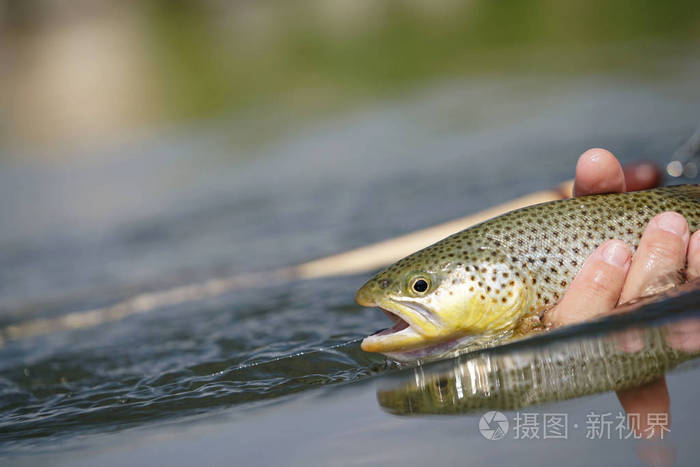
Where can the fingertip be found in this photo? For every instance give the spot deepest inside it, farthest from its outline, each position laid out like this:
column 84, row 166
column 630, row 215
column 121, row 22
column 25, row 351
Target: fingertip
column 673, row 223
column 598, row 171
column 694, row 256
column 694, row 244
column 660, row 257
column 641, row 176
column 596, row 288
column 616, row 253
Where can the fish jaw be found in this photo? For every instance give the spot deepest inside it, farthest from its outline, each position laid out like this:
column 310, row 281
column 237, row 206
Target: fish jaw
column 399, row 337
column 403, row 343
column 414, row 327
column 413, row 323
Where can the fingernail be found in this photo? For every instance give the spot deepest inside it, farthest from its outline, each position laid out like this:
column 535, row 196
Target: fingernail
column 674, row 223
column 616, row 253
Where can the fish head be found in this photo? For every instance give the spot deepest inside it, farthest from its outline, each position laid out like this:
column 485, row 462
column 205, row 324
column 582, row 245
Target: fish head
column 439, row 303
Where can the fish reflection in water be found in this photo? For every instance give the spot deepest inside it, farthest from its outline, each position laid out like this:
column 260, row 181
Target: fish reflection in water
column 623, row 351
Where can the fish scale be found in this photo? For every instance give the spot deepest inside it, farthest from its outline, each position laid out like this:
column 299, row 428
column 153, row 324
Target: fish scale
column 552, row 240
column 485, row 279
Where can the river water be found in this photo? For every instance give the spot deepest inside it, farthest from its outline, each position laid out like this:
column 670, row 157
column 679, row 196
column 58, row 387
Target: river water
column 272, row 372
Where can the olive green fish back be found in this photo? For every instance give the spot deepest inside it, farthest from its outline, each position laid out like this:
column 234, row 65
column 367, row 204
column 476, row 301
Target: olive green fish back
column 550, row 241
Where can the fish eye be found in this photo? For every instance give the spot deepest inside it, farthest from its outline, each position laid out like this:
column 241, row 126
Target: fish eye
column 420, row 285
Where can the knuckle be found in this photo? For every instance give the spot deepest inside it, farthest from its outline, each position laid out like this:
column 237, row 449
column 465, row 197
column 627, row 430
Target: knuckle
column 605, row 281
column 665, row 249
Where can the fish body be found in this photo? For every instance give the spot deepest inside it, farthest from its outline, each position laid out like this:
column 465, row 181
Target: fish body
column 490, row 282
column 651, row 337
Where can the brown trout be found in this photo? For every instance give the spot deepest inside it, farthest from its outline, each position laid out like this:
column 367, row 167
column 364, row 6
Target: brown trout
column 570, row 363
column 491, row 282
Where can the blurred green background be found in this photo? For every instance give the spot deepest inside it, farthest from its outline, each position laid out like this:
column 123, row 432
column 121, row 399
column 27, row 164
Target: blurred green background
column 83, row 72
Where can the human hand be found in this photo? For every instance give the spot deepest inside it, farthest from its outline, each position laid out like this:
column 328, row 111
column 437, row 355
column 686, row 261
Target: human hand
column 612, row 275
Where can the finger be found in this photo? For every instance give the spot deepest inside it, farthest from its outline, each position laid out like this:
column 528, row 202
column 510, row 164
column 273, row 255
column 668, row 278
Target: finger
column 649, row 399
column 596, row 288
column 656, row 454
column 660, row 258
column 598, row 171
column 694, row 256
column 685, row 335
column 641, row 176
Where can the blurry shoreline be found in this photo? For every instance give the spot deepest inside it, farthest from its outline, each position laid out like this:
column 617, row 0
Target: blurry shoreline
column 76, row 75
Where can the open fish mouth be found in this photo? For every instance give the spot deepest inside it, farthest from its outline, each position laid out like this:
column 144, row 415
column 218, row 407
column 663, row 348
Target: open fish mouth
column 418, row 335
column 404, row 344
column 402, row 335
column 415, row 334
column 398, row 336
